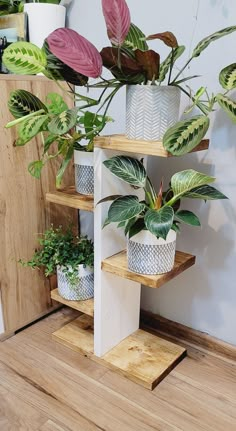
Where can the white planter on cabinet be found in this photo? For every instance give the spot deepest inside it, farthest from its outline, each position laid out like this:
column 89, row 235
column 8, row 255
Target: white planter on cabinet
column 43, row 19
column 83, row 290
column 84, row 172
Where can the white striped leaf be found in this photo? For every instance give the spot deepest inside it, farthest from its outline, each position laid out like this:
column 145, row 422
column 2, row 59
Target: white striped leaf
column 24, row 58
column 204, row 43
column 135, row 39
column 185, row 181
column 159, row 222
column 227, row 77
column 125, row 208
column 171, row 59
column 205, row 192
column 228, row 105
column 63, row 122
column 185, row 135
column 127, row 169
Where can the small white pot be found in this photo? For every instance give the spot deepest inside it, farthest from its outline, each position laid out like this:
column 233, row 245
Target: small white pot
column 149, row 255
column 151, row 110
column 84, row 172
column 43, row 19
column 80, row 292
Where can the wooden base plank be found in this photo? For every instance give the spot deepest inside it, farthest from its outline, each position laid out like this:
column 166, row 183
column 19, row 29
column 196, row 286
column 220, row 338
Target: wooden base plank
column 70, row 198
column 149, row 148
column 86, row 307
column 142, row 357
column 117, row 265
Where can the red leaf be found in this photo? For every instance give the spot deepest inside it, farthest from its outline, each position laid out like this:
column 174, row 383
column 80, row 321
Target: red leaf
column 76, row 52
column 129, row 65
column 150, row 61
column 167, row 37
column 117, row 17
column 158, row 202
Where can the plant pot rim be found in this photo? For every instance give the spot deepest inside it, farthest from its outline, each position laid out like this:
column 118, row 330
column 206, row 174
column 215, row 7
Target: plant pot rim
column 80, row 266
column 148, row 238
column 160, row 87
column 29, row 5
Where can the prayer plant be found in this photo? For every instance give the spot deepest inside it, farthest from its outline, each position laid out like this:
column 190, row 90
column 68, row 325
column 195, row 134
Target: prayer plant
column 158, row 212
column 69, row 56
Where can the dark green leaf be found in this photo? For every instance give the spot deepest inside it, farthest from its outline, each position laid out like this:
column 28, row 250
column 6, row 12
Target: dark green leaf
column 170, row 60
column 109, row 198
column 204, row 43
column 188, row 217
column 22, row 102
column 137, row 227
column 135, row 39
column 127, row 169
column 159, row 222
column 205, row 192
column 125, row 208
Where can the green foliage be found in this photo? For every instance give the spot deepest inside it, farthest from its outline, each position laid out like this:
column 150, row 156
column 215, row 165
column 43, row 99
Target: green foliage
column 227, row 77
column 158, row 214
column 22, row 102
column 59, row 248
column 135, row 39
column 24, row 58
column 228, row 105
column 170, row 61
column 10, row 6
column 204, row 43
column 63, row 122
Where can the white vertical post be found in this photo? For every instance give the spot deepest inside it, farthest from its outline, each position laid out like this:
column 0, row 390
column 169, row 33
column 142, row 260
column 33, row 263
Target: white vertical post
column 116, row 300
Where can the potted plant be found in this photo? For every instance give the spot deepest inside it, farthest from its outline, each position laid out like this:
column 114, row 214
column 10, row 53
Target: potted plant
column 70, row 257
column 151, row 224
column 10, row 6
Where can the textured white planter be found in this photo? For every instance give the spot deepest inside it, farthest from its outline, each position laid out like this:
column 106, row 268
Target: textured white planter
column 151, row 110
column 43, row 19
column 84, row 172
column 149, row 255
column 82, row 291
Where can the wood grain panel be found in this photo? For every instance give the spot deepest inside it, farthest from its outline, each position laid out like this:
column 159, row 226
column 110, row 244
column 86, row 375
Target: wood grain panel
column 70, row 198
column 86, row 307
column 24, row 213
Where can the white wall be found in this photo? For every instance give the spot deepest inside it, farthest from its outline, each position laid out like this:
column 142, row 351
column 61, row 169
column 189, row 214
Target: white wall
column 204, row 297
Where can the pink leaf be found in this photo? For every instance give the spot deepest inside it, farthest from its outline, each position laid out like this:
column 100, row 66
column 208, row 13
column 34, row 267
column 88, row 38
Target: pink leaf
column 117, row 17
column 75, row 51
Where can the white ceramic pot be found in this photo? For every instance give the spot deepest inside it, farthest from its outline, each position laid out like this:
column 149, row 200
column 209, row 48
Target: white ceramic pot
column 151, row 110
column 149, row 255
column 81, row 291
column 43, row 19
column 84, row 172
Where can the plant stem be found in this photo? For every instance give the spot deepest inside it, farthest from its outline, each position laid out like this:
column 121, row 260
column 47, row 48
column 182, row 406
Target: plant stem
column 182, row 70
column 25, row 117
column 199, row 105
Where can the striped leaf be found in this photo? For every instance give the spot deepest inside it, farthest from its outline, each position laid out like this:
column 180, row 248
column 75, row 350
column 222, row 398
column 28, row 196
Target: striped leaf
column 22, row 102
column 127, row 169
column 125, row 208
column 159, row 222
column 227, row 77
column 205, row 192
column 135, row 39
column 204, row 43
column 30, row 128
column 185, row 135
column 24, row 58
column 63, row 122
column 228, row 105
column 117, row 18
column 171, row 59
column 185, row 181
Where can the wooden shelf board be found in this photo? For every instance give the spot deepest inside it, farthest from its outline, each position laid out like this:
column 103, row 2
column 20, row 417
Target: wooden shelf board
column 70, row 198
column 149, row 148
column 86, row 307
column 117, row 265
column 142, row 357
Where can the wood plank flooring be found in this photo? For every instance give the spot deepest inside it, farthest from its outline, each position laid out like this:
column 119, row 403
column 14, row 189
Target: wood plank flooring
column 45, row 386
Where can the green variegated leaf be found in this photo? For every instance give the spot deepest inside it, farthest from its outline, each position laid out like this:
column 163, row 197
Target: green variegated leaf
column 228, row 105
column 24, row 58
column 185, row 181
column 127, row 169
column 185, row 135
column 22, row 102
column 171, row 59
column 135, row 39
column 205, row 192
column 204, row 43
column 55, row 103
column 227, row 77
column 35, row 168
column 63, row 122
column 125, row 208
column 187, row 217
column 30, row 128
column 159, row 222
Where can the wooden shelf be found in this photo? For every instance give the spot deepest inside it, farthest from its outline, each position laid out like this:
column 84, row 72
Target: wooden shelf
column 86, row 307
column 70, row 198
column 142, row 357
column 149, row 148
column 117, row 265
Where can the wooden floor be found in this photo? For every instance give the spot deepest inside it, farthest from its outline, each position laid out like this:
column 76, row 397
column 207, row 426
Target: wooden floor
column 46, row 387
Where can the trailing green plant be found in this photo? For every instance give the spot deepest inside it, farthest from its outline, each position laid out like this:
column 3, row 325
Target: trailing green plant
column 8, row 7
column 59, row 248
column 158, row 212
column 55, row 123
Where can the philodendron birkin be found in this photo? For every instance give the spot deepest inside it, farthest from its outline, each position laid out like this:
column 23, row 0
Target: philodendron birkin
column 155, row 220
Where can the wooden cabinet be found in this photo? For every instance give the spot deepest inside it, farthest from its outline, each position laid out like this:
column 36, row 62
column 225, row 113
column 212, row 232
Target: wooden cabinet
column 24, row 213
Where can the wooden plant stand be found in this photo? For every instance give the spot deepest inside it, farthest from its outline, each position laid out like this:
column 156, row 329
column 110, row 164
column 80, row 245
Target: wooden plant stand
column 108, row 330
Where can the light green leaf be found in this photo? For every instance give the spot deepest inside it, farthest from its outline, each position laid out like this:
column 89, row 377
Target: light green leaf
column 184, row 181
column 30, row 128
column 22, row 102
column 127, row 169
column 63, row 122
column 35, row 168
column 135, row 39
column 228, row 105
column 125, row 208
column 206, row 193
column 204, row 43
column 64, row 165
column 50, row 139
column 159, row 222
column 185, row 135
column 171, row 59
column 227, row 77
column 24, row 58
column 187, row 217
column 55, row 103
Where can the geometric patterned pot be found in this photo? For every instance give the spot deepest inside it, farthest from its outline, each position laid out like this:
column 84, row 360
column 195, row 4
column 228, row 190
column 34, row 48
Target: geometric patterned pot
column 149, row 255
column 151, row 110
column 84, row 172
column 80, row 292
